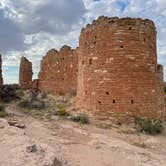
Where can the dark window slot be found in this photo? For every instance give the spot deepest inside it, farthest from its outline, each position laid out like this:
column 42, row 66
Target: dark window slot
column 90, row 61
column 107, row 93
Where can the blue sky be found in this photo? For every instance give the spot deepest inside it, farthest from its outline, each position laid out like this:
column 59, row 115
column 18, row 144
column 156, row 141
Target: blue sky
column 31, row 27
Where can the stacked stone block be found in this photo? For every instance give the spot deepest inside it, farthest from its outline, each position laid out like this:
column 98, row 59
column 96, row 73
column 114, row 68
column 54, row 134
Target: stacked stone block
column 25, row 74
column 58, row 73
column 118, row 75
column 1, row 78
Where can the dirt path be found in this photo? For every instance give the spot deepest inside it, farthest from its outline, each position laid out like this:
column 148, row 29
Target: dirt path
column 75, row 145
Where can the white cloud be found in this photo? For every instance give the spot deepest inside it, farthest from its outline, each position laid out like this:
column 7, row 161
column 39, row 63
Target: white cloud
column 47, row 24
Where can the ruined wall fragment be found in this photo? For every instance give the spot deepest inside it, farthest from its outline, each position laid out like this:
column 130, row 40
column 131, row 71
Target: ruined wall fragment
column 25, row 74
column 1, row 78
column 58, row 73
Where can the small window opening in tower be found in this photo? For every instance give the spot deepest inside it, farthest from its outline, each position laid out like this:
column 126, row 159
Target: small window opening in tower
column 82, row 62
column 132, row 101
column 113, row 101
column 107, row 93
column 144, row 40
column 121, row 46
column 94, row 42
column 130, row 28
column 99, row 102
column 95, row 37
column 90, row 61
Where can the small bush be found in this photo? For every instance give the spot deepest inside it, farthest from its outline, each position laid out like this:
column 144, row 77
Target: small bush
column 20, row 93
column 8, row 93
column 151, row 126
column 35, row 104
column 3, row 113
column 48, row 92
column 61, row 94
column 24, row 103
column 73, row 93
column 2, row 108
column 61, row 110
column 81, row 118
column 104, row 126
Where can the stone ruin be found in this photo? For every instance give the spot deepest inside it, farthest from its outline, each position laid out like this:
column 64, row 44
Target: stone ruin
column 58, row 73
column 118, row 74
column 114, row 70
column 25, row 74
column 1, row 78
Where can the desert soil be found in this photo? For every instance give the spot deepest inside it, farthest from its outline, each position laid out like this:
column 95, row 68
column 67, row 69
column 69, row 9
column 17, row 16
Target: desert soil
column 75, row 145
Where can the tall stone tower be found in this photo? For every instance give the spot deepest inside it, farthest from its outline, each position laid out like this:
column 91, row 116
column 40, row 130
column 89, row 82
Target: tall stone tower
column 118, row 74
column 25, row 74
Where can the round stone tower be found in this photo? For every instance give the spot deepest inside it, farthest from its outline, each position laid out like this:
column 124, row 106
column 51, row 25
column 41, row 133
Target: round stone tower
column 117, row 70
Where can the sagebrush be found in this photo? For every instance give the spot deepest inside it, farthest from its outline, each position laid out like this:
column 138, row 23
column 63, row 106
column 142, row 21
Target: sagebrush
column 151, row 126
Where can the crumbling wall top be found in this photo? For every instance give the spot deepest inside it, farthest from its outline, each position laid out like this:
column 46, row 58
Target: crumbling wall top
column 54, row 53
column 65, row 48
column 24, row 59
column 116, row 21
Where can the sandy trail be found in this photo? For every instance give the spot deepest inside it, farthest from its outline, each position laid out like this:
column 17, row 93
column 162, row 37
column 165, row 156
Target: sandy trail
column 75, row 145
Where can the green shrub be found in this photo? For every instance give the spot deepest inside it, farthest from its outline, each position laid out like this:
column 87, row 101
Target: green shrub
column 104, row 126
column 81, row 118
column 73, row 93
column 3, row 113
column 20, row 93
column 2, row 108
column 151, row 126
column 61, row 110
column 8, row 93
column 61, row 94
column 34, row 104
column 24, row 104
column 48, row 92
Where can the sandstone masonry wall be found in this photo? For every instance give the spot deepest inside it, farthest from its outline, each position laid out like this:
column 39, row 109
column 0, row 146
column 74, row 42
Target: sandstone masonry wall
column 25, row 74
column 1, row 78
column 117, row 69
column 160, row 77
column 58, row 73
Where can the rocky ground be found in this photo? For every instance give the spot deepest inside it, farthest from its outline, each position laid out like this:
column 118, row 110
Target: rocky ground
column 44, row 139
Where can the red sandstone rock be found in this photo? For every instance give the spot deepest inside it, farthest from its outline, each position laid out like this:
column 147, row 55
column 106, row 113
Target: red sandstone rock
column 25, row 74
column 1, row 78
column 58, row 73
column 117, row 69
